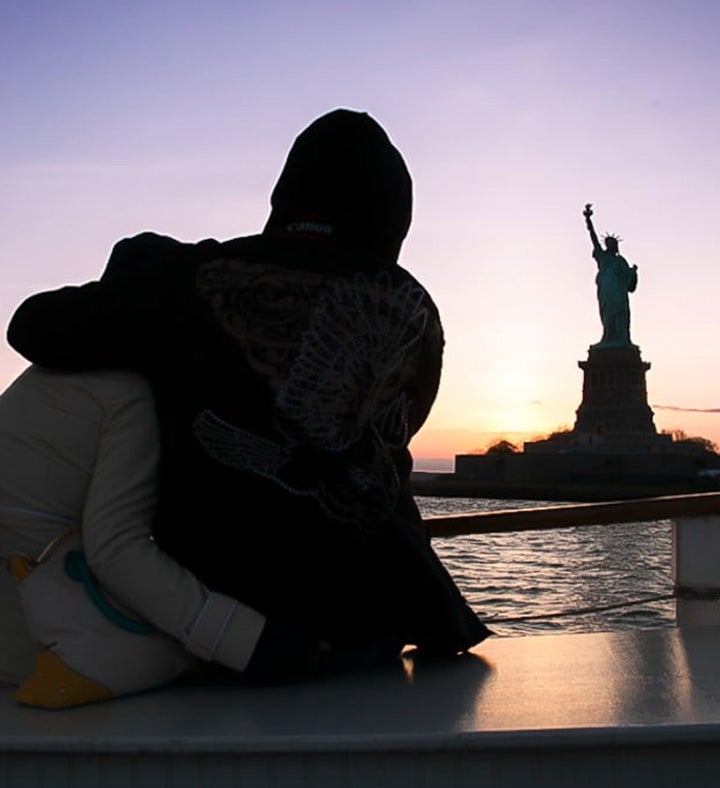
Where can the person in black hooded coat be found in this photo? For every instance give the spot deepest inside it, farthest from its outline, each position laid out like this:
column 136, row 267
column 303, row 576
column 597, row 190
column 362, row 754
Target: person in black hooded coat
column 290, row 370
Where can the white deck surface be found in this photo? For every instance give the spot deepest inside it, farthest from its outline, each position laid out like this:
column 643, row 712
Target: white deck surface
column 653, row 694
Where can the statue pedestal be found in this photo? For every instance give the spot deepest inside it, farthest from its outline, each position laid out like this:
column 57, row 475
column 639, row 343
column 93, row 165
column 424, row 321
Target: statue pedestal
column 613, row 451
column 614, row 403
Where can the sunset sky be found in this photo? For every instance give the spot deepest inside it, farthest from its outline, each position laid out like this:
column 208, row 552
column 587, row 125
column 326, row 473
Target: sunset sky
column 119, row 117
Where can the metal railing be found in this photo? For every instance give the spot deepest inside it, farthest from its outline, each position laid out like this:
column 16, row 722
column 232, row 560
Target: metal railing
column 667, row 507
column 695, row 529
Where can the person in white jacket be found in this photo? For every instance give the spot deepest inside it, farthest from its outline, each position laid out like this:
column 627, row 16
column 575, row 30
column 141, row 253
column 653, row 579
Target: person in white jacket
column 82, row 450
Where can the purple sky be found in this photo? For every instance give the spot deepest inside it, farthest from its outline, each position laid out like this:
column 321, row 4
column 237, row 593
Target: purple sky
column 176, row 117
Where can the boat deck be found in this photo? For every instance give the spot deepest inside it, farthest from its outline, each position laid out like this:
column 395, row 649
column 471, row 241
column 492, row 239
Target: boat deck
column 628, row 708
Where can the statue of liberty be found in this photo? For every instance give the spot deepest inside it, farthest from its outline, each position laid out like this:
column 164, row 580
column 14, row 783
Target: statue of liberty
column 614, row 280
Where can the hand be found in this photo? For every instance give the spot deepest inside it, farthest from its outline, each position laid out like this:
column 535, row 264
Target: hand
column 588, row 212
column 284, row 653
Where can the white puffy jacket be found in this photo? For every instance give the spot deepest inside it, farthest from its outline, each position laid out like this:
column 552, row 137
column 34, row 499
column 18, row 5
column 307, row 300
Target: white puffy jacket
column 82, row 449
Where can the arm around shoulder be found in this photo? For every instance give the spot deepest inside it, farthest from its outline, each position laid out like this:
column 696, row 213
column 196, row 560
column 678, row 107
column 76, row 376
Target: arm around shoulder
column 102, row 323
column 59, row 329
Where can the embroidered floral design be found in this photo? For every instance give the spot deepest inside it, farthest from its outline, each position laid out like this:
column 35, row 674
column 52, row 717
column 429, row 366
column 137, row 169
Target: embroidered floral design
column 339, row 353
column 264, row 307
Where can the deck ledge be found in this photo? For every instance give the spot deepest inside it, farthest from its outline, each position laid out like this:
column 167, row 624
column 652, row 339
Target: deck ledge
column 608, row 689
column 564, row 738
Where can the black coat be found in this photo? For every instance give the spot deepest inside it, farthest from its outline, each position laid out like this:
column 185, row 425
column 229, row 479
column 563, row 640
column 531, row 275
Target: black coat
column 290, row 370
column 286, row 399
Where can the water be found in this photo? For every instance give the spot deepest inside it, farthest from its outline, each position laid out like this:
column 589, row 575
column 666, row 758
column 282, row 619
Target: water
column 540, row 572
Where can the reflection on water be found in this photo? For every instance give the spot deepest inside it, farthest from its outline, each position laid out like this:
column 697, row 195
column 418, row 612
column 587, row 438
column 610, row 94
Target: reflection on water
column 525, row 574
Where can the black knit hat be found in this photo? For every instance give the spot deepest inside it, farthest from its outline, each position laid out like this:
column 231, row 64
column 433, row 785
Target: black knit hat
column 344, row 186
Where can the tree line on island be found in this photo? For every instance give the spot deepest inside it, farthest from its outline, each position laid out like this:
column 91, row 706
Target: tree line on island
column 691, row 443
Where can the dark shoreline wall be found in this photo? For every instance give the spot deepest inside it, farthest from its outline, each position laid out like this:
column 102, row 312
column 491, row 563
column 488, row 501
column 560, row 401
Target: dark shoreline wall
column 445, row 485
column 600, row 468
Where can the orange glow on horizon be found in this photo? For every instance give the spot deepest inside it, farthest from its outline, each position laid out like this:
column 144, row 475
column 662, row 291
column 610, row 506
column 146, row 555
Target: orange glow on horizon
column 435, row 442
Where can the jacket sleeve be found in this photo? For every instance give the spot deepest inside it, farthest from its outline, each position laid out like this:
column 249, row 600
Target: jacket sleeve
column 105, row 323
column 129, row 564
column 53, row 329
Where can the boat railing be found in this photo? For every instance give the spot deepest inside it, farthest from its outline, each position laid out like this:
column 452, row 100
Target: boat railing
column 695, row 536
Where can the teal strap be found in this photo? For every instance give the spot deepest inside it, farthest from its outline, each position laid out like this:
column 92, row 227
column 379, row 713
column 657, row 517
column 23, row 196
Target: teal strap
column 77, row 569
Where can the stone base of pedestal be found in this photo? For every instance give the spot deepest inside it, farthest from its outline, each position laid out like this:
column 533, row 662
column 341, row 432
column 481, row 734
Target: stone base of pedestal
column 614, row 401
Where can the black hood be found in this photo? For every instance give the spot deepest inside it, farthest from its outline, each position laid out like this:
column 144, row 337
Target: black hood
column 344, row 186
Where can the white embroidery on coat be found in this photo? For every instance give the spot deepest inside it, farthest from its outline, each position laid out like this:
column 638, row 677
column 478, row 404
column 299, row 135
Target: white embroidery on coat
column 338, row 353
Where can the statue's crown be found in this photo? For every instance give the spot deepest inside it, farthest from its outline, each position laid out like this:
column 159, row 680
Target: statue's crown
column 612, row 237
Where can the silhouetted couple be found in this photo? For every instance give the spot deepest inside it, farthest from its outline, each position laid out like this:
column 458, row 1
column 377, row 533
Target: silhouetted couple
column 289, row 370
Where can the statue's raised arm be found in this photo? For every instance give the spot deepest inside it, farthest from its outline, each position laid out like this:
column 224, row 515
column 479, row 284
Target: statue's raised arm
column 587, row 213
